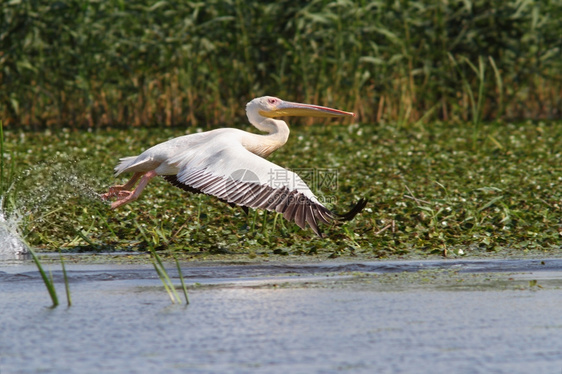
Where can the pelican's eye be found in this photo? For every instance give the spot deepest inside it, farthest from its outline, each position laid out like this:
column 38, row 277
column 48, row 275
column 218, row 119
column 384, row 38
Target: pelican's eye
column 272, row 101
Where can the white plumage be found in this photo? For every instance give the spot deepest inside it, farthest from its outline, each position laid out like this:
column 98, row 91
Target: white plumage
column 229, row 164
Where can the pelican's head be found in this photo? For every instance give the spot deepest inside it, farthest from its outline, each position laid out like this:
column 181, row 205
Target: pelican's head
column 272, row 107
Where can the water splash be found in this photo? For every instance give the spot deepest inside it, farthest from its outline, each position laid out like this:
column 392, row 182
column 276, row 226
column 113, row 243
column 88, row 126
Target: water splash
column 38, row 201
column 11, row 242
column 52, row 184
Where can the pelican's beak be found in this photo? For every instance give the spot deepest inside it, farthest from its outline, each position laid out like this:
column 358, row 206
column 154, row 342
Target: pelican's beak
column 287, row 108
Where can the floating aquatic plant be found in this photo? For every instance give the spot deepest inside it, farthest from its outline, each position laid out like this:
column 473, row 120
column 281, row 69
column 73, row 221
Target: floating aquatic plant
column 429, row 189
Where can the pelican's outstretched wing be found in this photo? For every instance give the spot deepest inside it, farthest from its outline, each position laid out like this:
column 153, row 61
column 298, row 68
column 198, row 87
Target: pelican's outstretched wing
column 237, row 176
column 173, row 180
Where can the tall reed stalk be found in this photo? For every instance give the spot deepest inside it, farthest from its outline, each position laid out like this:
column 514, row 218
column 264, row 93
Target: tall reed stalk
column 1, row 158
column 6, row 171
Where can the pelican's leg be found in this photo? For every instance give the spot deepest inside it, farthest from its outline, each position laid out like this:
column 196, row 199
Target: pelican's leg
column 116, row 190
column 128, row 196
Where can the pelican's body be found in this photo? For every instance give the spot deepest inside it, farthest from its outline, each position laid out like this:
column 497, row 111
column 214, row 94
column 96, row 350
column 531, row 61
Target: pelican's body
column 230, row 164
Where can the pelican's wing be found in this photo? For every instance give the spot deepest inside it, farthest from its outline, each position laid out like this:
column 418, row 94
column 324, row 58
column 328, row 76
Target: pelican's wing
column 173, row 180
column 238, row 176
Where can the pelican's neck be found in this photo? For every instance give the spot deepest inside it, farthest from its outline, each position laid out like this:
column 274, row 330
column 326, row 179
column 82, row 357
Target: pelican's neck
column 264, row 145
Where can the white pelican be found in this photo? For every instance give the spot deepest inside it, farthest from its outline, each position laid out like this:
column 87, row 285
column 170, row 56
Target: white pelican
column 229, row 164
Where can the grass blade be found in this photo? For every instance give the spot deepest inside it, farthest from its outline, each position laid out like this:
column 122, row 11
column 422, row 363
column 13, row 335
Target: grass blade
column 47, row 280
column 1, row 157
column 163, row 274
column 162, row 278
column 183, row 287
column 66, row 284
column 499, row 84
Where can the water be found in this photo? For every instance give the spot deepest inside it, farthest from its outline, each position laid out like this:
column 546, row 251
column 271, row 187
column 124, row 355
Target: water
column 11, row 244
column 372, row 317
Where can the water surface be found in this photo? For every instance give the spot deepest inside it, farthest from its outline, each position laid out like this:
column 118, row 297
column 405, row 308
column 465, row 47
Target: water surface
column 475, row 316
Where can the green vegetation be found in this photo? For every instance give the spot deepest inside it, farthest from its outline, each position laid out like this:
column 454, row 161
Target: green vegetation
column 165, row 278
column 47, row 280
column 442, row 89
column 96, row 63
column 66, row 282
column 434, row 189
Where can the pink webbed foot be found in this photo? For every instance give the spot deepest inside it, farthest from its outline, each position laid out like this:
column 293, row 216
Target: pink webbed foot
column 112, row 192
column 123, row 193
column 123, row 197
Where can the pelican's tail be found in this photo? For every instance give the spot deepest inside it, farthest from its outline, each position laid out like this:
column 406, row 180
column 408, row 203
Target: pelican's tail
column 124, row 164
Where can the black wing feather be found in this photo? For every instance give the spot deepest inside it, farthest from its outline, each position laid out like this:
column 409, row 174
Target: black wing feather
column 294, row 206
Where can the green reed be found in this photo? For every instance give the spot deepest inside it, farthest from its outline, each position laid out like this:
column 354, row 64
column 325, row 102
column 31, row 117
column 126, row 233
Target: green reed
column 163, row 275
column 165, row 278
column 47, row 280
column 66, row 282
column 88, row 64
column 180, row 274
column 6, row 171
